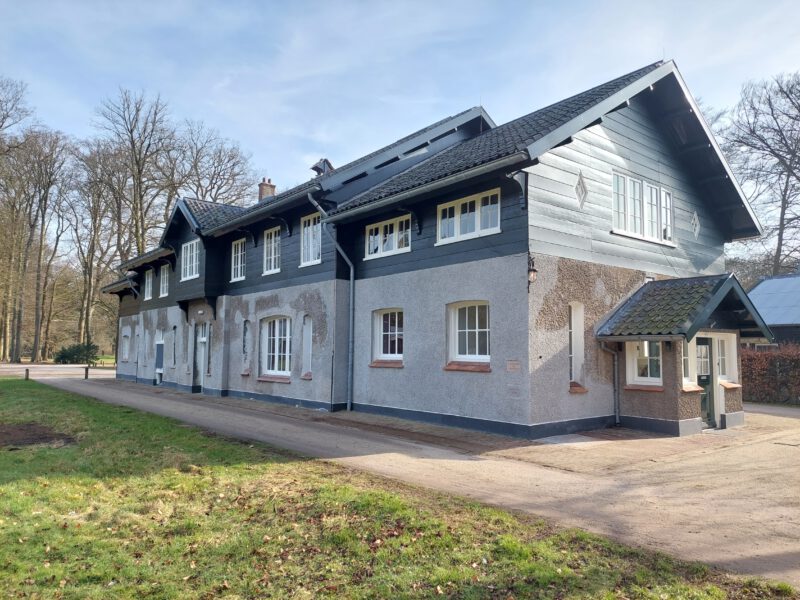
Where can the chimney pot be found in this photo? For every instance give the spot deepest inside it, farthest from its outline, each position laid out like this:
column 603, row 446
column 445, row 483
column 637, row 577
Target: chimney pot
column 266, row 189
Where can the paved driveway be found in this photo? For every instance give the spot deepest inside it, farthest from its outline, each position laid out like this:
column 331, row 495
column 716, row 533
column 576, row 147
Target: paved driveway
column 729, row 498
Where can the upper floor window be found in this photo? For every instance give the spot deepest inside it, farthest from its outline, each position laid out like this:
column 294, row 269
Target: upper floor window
column 163, row 281
column 148, row 284
column 190, row 260
column 644, row 362
column 641, row 208
column 469, row 217
column 238, row 262
column 272, row 250
column 310, row 240
column 469, row 331
column 388, row 237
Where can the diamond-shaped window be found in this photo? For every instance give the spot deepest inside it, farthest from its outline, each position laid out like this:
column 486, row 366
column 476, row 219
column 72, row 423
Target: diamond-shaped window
column 580, row 190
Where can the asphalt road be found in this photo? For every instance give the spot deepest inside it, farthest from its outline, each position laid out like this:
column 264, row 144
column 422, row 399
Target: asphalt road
column 726, row 498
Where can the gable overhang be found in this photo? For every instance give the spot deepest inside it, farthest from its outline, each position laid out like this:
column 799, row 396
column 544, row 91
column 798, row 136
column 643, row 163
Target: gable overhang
column 143, row 259
column 744, row 223
column 515, row 161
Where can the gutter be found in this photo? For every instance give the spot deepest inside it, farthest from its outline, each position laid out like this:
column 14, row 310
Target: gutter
column 350, row 308
column 615, row 354
column 430, row 187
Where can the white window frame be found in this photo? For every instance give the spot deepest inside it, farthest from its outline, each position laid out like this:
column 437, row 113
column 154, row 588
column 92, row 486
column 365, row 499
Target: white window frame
column 380, row 229
column 380, row 333
column 272, row 259
column 453, row 330
column 625, row 220
column 148, row 284
column 311, row 240
column 632, row 353
column 190, row 260
column 270, row 348
column 163, row 281
column 239, row 260
column 576, row 343
column 457, row 205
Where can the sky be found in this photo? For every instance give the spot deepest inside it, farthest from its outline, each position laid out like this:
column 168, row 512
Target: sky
column 292, row 82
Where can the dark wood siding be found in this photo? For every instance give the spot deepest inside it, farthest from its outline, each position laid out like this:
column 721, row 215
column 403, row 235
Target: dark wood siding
column 424, row 253
column 629, row 141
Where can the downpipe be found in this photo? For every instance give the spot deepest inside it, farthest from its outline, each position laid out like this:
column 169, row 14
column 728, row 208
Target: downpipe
column 615, row 354
column 351, row 307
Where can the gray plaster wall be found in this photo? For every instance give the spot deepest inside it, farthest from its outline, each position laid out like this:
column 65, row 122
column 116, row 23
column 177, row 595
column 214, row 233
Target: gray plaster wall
column 599, row 288
column 422, row 384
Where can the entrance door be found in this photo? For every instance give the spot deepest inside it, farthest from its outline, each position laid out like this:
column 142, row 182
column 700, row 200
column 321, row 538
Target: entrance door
column 200, row 349
column 159, row 356
column 705, row 380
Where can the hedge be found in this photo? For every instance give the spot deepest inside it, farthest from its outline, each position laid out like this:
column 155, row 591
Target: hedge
column 771, row 376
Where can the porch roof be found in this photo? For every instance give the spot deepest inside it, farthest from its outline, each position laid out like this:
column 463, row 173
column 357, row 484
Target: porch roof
column 672, row 308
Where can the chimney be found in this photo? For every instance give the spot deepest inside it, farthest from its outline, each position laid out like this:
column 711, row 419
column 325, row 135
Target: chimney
column 323, row 167
column 265, row 189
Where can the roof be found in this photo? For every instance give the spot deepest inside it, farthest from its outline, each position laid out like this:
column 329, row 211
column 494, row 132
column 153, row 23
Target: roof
column 120, row 285
column 502, row 141
column 778, row 299
column 211, row 214
column 680, row 307
column 145, row 258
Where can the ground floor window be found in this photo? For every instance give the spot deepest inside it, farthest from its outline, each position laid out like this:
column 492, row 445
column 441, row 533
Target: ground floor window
column 388, row 327
column 469, row 331
column 125, row 348
column 276, row 346
column 644, row 362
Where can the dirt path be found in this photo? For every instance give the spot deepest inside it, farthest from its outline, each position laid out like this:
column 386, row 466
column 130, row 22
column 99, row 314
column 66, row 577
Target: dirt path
column 727, row 498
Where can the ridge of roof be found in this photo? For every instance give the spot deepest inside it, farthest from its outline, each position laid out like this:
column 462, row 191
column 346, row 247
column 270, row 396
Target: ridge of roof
column 501, row 141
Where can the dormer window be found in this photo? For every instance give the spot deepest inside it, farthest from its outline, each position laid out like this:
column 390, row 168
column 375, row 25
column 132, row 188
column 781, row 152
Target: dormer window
column 388, row 237
column 163, row 281
column 311, row 240
column 467, row 218
column 148, row 284
column 190, row 260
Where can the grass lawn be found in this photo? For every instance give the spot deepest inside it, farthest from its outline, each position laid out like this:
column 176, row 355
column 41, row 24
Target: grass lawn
column 140, row 506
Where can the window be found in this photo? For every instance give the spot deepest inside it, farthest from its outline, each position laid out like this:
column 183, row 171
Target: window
column 308, row 342
column 245, row 344
column 723, row 358
column 388, row 237
column 163, row 281
column 575, row 343
column 469, row 332
column 580, row 190
column 311, row 240
column 148, row 284
column 388, row 327
column 276, row 346
column 644, row 362
column 687, row 373
column 190, row 260
column 272, row 251
column 126, row 348
column 238, row 256
column 174, row 345
column 469, row 217
column 641, row 209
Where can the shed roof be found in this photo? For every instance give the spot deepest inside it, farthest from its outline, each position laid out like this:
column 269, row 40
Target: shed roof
column 680, row 307
column 778, row 299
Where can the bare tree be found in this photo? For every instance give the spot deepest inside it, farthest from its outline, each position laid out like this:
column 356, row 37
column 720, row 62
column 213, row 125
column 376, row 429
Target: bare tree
column 13, row 109
column 763, row 144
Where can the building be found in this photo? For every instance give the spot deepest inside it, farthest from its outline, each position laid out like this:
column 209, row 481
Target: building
column 554, row 273
column 777, row 299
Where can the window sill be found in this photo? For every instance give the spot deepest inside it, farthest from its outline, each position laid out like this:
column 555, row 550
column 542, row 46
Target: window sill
column 577, row 388
column 390, row 253
column 464, row 238
column 190, row 278
column 310, row 264
column 729, row 385
column 471, row 367
column 386, row 364
column 265, row 273
column 306, row 376
column 274, row 379
column 237, row 279
column 163, row 295
column 691, row 387
column 636, row 236
column 245, row 373
column 638, row 387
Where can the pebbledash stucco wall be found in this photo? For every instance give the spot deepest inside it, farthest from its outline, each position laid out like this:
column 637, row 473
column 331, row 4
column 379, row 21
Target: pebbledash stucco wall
column 233, row 366
column 599, row 288
column 422, row 387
